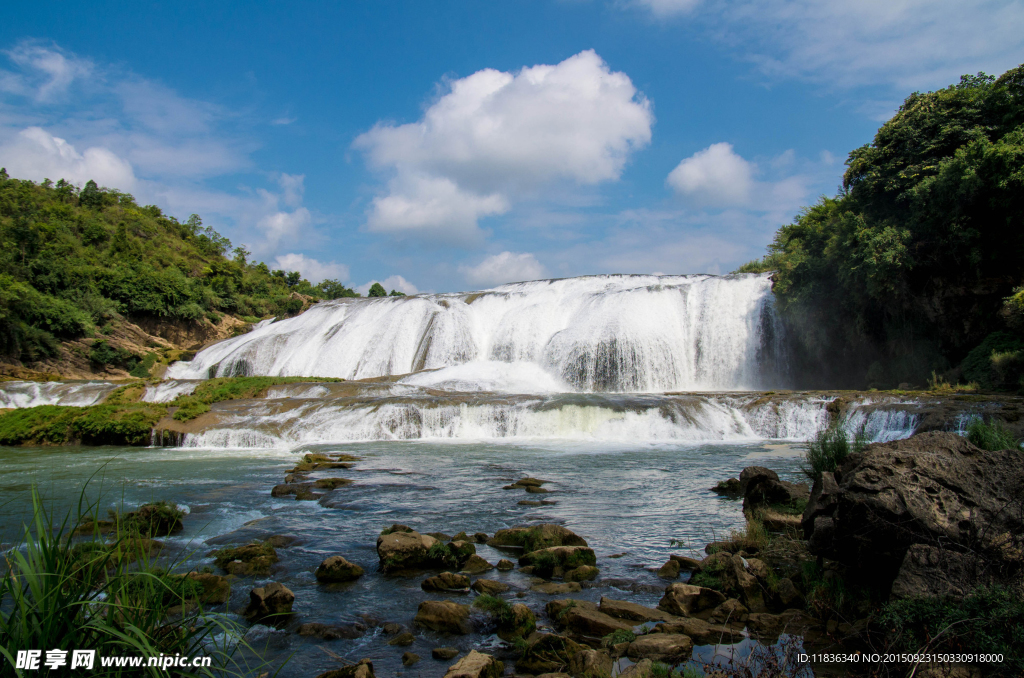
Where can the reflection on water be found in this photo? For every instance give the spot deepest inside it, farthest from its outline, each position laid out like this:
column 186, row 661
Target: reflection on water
column 622, row 499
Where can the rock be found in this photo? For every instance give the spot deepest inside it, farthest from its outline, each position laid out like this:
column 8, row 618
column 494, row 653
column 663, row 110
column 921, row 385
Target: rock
column 476, row 565
column 555, row 608
column 929, row 572
column 770, row 626
column 444, row 617
column 544, row 561
column 283, row 541
column 547, row 653
column 248, row 560
column 364, row 669
column 476, row 665
column 440, row 536
column 754, row 475
column 272, row 600
column 536, row 537
column 331, row 483
column 480, row 537
column 585, row 622
column 288, row 489
column 337, row 569
column 686, row 563
column 701, row 632
column 536, row 502
column 461, row 536
column 730, row 612
column 444, row 653
column 216, row 589
column 642, row 669
column 536, row 490
column 462, row 551
column 729, row 488
column 948, row 671
column 933, row 489
column 591, row 664
column 446, row 582
column 489, row 587
column 403, row 639
column 529, row 482
column 392, row 628
column 410, row 658
column 582, row 573
column 764, row 491
column 621, row 609
column 684, row 600
column 326, row 632
column 670, row 648
column 522, row 623
column 505, row 565
column 669, row 570
column 307, row 495
column 403, row 549
column 787, row 594
column 553, row 589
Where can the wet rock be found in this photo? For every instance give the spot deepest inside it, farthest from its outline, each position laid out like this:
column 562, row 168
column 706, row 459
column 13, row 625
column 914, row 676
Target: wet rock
column 444, row 653
column 283, row 541
column 410, row 658
column 403, row 549
column 331, row 483
column 702, row 632
column 536, row 502
column 621, row 609
column 533, row 538
column 591, row 663
column 769, row 626
column 762, row 487
column 753, row 475
column 337, row 569
column 216, row 589
column 476, row 665
column 787, row 593
column 686, row 563
column 581, row 621
column 480, row 537
column 933, row 489
column 476, row 565
column 403, row 639
column 670, row 648
column 288, row 489
column 364, row 669
column 505, row 565
column 528, row 482
column 326, row 632
column 443, row 617
column 582, row 573
column 441, row 536
column 251, row 559
column 730, row 612
column 547, row 653
column 307, row 495
column 554, row 589
column 545, row 560
column 556, row 608
column 930, row 572
column 272, row 600
column 728, row 488
column 518, row 623
column 462, row 551
column 684, row 600
column 669, row 570
column 536, row 490
column 489, row 587
column 642, row 669
column 446, row 582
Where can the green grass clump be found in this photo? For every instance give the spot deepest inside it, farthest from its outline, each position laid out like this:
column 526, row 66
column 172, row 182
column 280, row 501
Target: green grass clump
column 231, row 388
column 618, row 636
column 992, row 436
column 442, row 554
column 156, row 519
column 103, row 424
column 829, row 449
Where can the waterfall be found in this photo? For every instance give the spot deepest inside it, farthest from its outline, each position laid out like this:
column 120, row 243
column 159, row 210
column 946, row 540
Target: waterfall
column 17, row 394
column 610, row 333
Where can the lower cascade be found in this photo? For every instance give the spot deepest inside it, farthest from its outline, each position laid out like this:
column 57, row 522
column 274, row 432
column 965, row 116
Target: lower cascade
column 609, row 333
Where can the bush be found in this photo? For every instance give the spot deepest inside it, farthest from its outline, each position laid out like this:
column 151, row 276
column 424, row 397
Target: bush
column 992, row 436
column 829, row 449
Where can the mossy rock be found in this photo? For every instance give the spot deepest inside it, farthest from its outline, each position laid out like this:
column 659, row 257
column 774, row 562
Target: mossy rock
column 251, row 559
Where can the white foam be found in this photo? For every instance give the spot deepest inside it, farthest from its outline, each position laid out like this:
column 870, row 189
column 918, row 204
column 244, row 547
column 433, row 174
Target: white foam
column 18, row 394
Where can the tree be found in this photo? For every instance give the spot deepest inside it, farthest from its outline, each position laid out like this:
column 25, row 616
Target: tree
column 377, row 290
column 393, row 293
column 293, row 278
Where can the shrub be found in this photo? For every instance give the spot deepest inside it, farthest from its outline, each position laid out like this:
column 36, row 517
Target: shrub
column 618, row 636
column 991, row 436
column 829, row 449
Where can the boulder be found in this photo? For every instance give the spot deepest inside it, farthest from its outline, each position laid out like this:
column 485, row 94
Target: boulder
column 521, row 622
column 702, row 632
column 325, row 632
column 553, row 589
column 216, row 589
column 621, row 609
column 444, row 653
column 288, row 489
column 480, row 537
column 642, row 669
column 446, row 582
column 686, row 563
column 476, row 565
column 764, row 491
column 403, row 549
column 670, row 570
column 533, row 538
column 331, row 483
column 243, row 561
column 462, row 551
column 364, row 669
column 731, row 611
column 728, row 488
column 591, row 664
column 337, row 569
column 934, row 489
column 555, row 608
column 671, row 648
column 580, row 621
column 929, row 572
column 582, row 573
column 684, row 600
column 476, row 665
column 788, row 595
column 770, row 626
column 489, row 587
column 410, row 658
column 444, row 617
column 754, row 475
column 272, row 600
column 547, row 653
column 505, row 565
column 545, row 560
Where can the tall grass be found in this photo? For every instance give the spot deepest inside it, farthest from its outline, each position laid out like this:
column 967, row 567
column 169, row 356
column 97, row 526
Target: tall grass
column 829, row 449
column 992, row 436
column 61, row 593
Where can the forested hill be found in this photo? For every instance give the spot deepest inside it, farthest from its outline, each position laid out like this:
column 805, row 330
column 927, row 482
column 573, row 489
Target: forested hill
column 78, row 266
column 916, row 267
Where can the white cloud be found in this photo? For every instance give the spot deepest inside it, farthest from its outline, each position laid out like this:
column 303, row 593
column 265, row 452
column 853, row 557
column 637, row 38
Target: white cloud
column 717, row 176
column 312, row 270
column 47, row 72
column 35, row 154
column 393, row 282
column 909, row 44
column 280, row 226
column 503, row 268
column 293, row 187
column 495, row 135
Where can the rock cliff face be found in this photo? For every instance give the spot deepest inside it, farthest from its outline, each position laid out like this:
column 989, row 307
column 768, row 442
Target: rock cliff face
column 929, row 515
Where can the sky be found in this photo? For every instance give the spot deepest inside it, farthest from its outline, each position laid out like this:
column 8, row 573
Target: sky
column 454, row 145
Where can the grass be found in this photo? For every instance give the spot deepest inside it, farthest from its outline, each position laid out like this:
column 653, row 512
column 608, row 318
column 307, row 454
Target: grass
column 509, row 625
column 231, row 388
column 104, row 424
column 441, row 554
column 107, row 597
column 992, row 436
column 829, row 449
column 618, row 636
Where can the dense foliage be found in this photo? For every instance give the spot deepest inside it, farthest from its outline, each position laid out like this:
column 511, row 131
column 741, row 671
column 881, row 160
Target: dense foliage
column 71, row 261
column 921, row 255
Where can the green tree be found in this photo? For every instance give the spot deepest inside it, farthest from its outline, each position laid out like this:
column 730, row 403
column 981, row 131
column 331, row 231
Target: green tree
column 377, row 290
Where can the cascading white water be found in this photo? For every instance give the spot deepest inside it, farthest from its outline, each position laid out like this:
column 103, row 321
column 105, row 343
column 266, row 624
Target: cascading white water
column 615, row 333
column 17, row 394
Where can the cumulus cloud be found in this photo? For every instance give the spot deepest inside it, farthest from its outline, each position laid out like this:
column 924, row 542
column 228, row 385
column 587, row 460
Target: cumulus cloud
column 495, row 135
column 910, row 44
column 716, row 176
column 503, row 268
column 36, row 154
column 312, row 270
column 278, row 226
column 393, row 282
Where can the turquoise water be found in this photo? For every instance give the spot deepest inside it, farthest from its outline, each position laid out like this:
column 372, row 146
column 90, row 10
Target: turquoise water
column 632, row 500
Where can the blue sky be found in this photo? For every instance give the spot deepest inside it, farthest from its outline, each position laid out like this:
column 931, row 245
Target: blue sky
column 443, row 146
